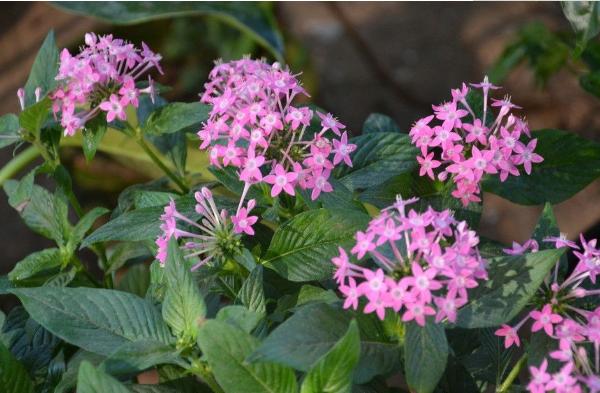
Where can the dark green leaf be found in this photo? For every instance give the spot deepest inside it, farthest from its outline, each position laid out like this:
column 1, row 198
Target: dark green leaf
column 175, row 116
column 136, row 280
column 69, row 378
column 137, row 356
column 137, row 225
column 249, row 18
column 36, row 263
column 183, row 307
column 85, row 223
column 584, row 17
column 302, row 248
column 315, row 328
column 93, row 133
column 240, row 317
column 545, row 227
column 33, row 117
column 570, row 164
column 376, row 122
column 13, row 376
column 590, row 82
column 378, row 157
column 9, row 129
column 93, row 380
column 333, row 372
column 425, row 356
column 124, row 252
column 513, row 280
column 252, row 294
column 226, row 349
column 97, row 320
column 44, row 70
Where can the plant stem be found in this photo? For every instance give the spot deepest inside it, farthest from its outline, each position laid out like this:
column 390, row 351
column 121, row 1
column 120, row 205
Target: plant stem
column 512, row 375
column 201, row 371
column 19, row 162
column 161, row 165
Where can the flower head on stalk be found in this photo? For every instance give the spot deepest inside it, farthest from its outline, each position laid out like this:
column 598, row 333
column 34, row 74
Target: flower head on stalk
column 101, row 78
column 563, row 311
column 213, row 237
column 423, row 264
column 466, row 145
column 256, row 126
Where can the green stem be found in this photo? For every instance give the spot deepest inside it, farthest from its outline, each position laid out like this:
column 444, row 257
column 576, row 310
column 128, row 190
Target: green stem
column 19, row 162
column 161, row 165
column 512, row 375
column 200, row 370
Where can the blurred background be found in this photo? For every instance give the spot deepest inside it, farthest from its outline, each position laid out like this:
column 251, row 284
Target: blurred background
column 356, row 58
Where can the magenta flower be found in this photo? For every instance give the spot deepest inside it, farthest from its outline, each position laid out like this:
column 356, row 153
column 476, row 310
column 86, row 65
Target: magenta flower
column 104, row 72
column 242, row 222
column 254, row 115
column 114, row 108
column 425, row 264
column 281, row 180
column 540, row 378
column 473, row 148
column 510, row 336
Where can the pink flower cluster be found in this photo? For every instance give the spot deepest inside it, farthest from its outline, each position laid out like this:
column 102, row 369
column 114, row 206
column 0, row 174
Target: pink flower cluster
column 467, row 147
column 255, row 127
column 214, row 236
column 560, row 316
column 425, row 263
column 101, row 77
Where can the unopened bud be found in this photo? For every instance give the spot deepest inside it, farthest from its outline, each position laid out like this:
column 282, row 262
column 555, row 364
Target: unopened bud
column 21, row 95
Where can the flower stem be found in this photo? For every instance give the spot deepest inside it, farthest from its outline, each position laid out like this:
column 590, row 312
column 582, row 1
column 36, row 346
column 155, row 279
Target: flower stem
column 161, row 165
column 505, row 387
column 18, row 163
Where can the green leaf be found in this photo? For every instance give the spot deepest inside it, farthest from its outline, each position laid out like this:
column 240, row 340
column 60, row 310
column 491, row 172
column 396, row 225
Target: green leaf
column 13, row 376
column 136, row 225
column 240, row 317
column 513, row 280
column 226, row 349
column 590, row 82
column 93, row 133
column 97, row 320
column 34, row 116
column 251, row 19
column 490, row 361
column 252, row 293
column 302, row 248
column 333, row 372
column 44, row 70
column 570, row 164
column 314, row 329
column 584, row 17
column 376, row 122
column 69, row 377
column 136, row 280
column 9, row 129
column 85, row 223
column 183, row 307
column 425, row 356
column 379, row 156
column 43, row 212
column 174, row 117
column 120, row 254
column 137, row 356
column 545, row 227
column 35, row 263
column 93, row 380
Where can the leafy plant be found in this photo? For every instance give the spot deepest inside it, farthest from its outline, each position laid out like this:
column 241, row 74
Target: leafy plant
column 290, row 259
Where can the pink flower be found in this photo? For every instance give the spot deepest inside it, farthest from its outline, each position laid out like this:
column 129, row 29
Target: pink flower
column 545, row 319
column 342, row 150
column 115, row 107
column 428, row 164
column 318, row 182
column 251, row 171
column 281, row 180
column 352, row 294
column 540, row 378
column 417, row 311
column 364, row 244
column 242, row 222
column 518, row 249
column 510, row 336
column 526, row 156
column 328, row 122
